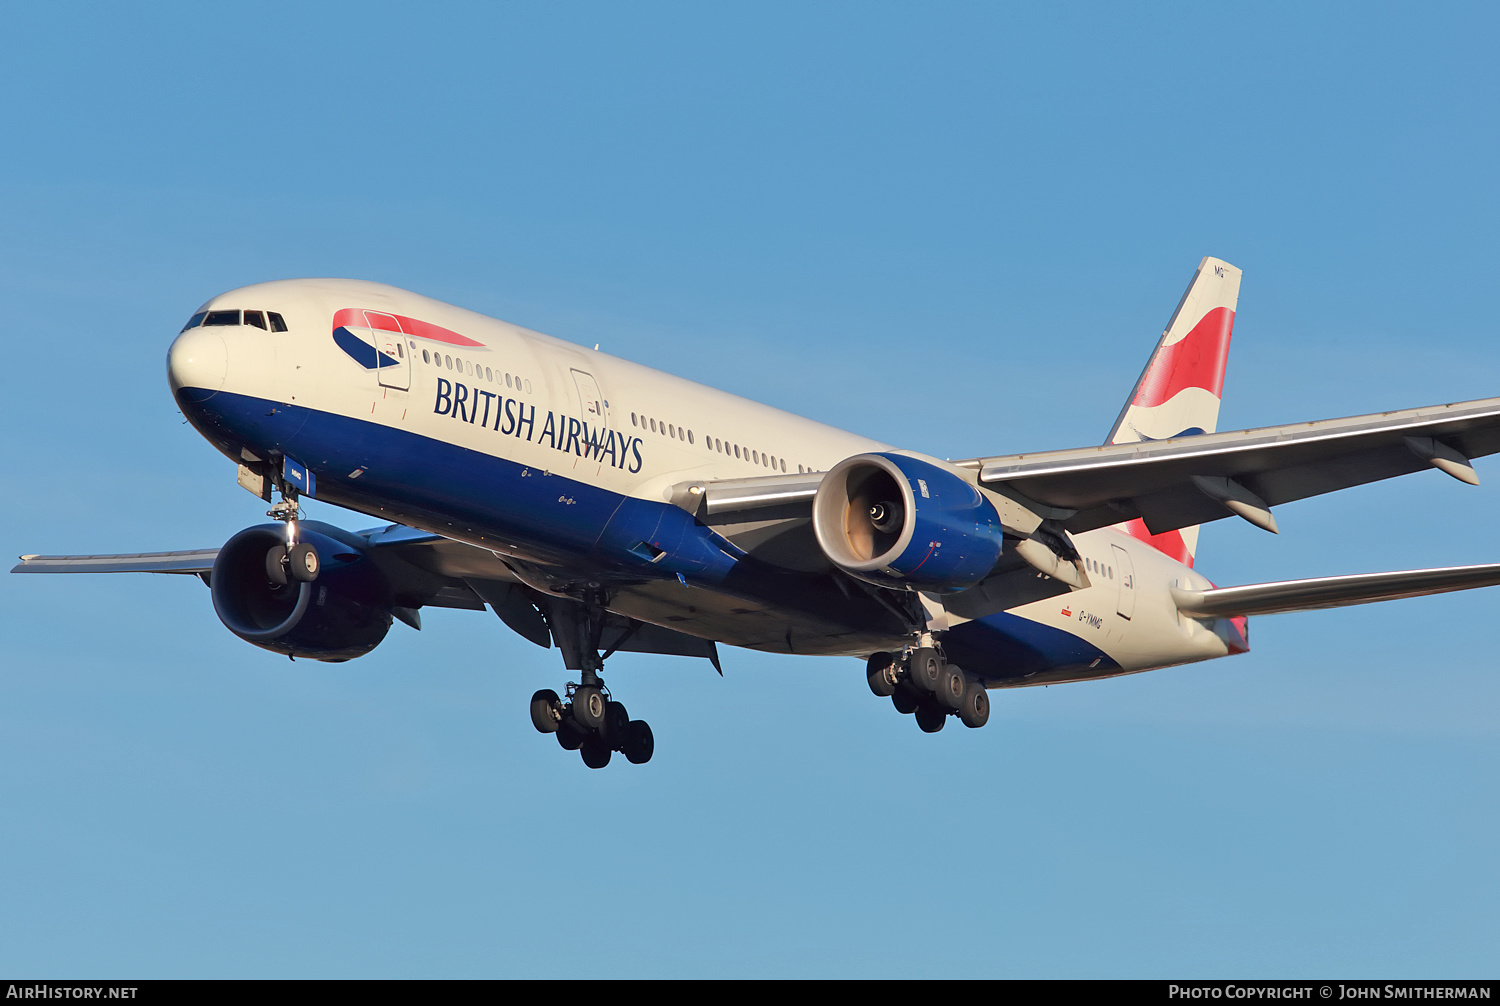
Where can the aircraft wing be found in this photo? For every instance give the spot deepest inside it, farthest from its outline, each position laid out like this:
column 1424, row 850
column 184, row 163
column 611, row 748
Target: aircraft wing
column 197, row 561
column 1182, row 481
column 1332, row 591
column 424, row 570
column 1192, row 480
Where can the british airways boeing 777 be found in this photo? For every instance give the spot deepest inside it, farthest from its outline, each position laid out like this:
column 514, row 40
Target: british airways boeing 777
column 598, row 505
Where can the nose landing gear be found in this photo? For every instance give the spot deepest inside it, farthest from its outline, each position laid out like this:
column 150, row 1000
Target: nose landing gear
column 920, row 681
column 295, row 560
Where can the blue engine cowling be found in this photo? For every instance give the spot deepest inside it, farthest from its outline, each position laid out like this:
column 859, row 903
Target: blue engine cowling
column 899, row 521
column 344, row 613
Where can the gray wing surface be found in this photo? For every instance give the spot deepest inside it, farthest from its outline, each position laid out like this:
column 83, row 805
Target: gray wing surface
column 197, row 561
column 1163, row 482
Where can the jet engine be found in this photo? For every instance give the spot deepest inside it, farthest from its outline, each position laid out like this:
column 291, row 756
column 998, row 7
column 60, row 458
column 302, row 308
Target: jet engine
column 345, row 612
column 900, row 521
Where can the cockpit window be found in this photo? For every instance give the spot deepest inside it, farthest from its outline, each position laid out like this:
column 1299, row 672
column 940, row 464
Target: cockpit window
column 255, row 318
column 222, row 318
column 195, row 320
column 278, row 324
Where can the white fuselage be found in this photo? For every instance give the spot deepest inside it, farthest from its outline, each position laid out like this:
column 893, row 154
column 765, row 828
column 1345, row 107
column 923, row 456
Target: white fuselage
column 652, row 431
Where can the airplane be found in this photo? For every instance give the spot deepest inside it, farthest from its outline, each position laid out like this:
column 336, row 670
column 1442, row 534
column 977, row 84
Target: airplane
column 599, row 506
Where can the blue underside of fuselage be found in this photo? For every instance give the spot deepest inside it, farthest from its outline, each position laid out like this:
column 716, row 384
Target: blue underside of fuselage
column 572, row 523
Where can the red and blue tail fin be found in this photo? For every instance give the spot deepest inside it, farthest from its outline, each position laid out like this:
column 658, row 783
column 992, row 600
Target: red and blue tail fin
column 1179, row 392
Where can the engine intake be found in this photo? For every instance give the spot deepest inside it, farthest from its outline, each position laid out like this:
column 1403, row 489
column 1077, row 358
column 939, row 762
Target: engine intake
column 901, row 521
column 344, row 613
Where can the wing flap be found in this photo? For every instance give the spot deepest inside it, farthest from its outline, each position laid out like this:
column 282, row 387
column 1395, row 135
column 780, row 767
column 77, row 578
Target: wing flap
column 1332, row 591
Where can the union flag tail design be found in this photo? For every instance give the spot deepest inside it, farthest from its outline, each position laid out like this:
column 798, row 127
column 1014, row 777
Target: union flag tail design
column 1179, row 392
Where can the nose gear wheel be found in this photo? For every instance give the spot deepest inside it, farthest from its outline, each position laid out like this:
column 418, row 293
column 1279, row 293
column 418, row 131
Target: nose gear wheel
column 295, row 560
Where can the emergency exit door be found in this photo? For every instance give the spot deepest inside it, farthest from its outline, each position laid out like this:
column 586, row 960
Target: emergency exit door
column 1125, row 582
column 392, row 359
column 595, row 408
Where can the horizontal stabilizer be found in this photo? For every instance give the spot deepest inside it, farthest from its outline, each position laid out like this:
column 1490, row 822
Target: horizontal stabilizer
column 1332, row 591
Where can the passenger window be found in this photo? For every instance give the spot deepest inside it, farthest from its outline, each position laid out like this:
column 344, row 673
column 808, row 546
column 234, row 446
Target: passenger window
column 632, row 420
column 671, row 431
column 255, row 318
column 222, row 318
column 736, row 450
column 653, row 425
column 425, row 357
column 448, row 361
column 488, row 376
column 783, row 464
column 195, row 320
column 278, row 323
column 528, row 387
column 690, row 436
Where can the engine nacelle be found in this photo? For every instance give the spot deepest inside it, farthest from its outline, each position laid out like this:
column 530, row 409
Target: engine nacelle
column 898, row 521
column 344, row 613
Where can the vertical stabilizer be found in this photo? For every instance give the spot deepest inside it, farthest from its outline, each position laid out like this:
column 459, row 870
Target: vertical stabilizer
column 1178, row 393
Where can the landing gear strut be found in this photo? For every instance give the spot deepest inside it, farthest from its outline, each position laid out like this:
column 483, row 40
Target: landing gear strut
column 920, row 681
column 589, row 720
column 294, row 560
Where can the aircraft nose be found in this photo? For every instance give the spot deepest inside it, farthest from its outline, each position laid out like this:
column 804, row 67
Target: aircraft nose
column 198, row 361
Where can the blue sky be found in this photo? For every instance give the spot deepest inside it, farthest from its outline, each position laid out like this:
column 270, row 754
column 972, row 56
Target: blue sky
column 958, row 228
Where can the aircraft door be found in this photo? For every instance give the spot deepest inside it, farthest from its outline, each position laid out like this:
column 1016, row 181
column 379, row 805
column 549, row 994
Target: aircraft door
column 392, row 358
column 595, row 408
column 1125, row 582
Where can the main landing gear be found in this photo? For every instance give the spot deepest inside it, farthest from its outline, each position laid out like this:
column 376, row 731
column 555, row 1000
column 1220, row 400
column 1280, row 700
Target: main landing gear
column 920, row 681
column 589, row 720
column 593, row 724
